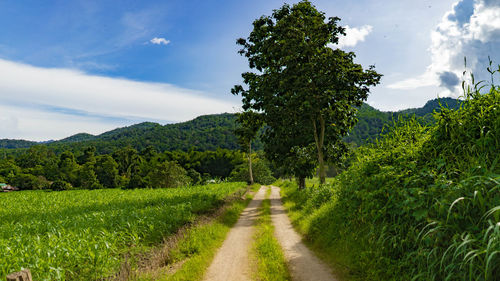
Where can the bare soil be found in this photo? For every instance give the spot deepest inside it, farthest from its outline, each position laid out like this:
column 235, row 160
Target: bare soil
column 232, row 263
column 302, row 263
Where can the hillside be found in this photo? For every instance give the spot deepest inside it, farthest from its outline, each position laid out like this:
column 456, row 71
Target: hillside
column 371, row 121
column 203, row 133
column 12, row 144
column 210, row 132
column 431, row 105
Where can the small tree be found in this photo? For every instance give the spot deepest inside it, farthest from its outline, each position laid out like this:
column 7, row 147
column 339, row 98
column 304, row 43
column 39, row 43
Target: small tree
column 261, row 172
column 127, row 159
column 59, row 185
column 250, row 124
column 285, row 145
column 87, row 178
column 301, row 78
column 106, row 170
column 88, row 156
column 68, row 167
column 168, row 174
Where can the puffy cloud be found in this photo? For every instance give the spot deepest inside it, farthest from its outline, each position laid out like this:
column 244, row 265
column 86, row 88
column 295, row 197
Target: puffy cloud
column 159, row 41
column 353, row 36
column 471, row 30
column 63, row 102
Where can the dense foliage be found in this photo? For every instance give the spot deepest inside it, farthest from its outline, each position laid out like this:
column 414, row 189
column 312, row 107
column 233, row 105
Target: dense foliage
column 40, row 168
column 305, row 90
column 85, row 235
column 423, row 203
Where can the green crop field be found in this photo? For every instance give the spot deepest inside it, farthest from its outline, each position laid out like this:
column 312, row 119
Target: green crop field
column 85, row 234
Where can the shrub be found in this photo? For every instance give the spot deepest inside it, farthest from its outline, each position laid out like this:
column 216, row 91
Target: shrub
column 168, row 174
column 28, row 181
column 59, row 185
column 194, row 175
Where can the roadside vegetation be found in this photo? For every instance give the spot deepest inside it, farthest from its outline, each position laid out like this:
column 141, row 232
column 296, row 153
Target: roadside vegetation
column 189, row 257
column 422, row 203
column 267, row 253
column 85, row 234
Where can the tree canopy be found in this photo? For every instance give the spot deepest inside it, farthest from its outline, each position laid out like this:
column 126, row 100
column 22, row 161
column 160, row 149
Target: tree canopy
column 302, row 85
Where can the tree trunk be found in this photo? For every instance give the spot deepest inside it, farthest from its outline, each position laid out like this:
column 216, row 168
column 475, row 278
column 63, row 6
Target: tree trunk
column 302, row 183
column 250, row 173
column 319, row 140
column 322, row 170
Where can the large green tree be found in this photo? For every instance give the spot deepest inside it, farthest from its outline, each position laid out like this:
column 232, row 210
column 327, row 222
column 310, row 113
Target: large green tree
column 299, row 76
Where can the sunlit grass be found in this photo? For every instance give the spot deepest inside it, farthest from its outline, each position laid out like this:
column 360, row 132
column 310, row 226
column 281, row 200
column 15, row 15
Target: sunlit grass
column 84, row 234
column 266, row 251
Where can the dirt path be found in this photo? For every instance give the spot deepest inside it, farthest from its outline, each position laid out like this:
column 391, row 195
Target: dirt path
column 303, row 264
column 231, row 262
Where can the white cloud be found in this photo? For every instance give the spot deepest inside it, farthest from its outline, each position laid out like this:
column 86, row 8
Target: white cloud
column 353, row 36
column 61, row 102
column 159, row 41
column 35, row 124
column 472, row 30
column 424, row 80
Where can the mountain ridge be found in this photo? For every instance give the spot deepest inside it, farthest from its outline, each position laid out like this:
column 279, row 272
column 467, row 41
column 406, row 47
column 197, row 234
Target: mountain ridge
column 209, row 132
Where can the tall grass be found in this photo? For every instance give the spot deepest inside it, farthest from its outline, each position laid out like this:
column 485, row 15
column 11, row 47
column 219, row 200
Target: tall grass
column 423, row 203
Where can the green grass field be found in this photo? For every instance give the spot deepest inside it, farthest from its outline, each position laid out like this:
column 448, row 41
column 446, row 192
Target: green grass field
column 84, row 234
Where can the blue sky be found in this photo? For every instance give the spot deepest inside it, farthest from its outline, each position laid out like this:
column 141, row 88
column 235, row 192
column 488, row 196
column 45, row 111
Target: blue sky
column 90, row 66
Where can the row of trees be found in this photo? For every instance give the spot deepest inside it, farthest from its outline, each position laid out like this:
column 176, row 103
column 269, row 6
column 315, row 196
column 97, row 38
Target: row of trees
column 305, row 91
column 41, row 168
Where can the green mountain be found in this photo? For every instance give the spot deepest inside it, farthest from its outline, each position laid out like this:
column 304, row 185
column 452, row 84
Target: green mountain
column 203, row 133
column 432, row 105
column 371, row 121
column 77, row 138
column 210, row 132
column 12, row 144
